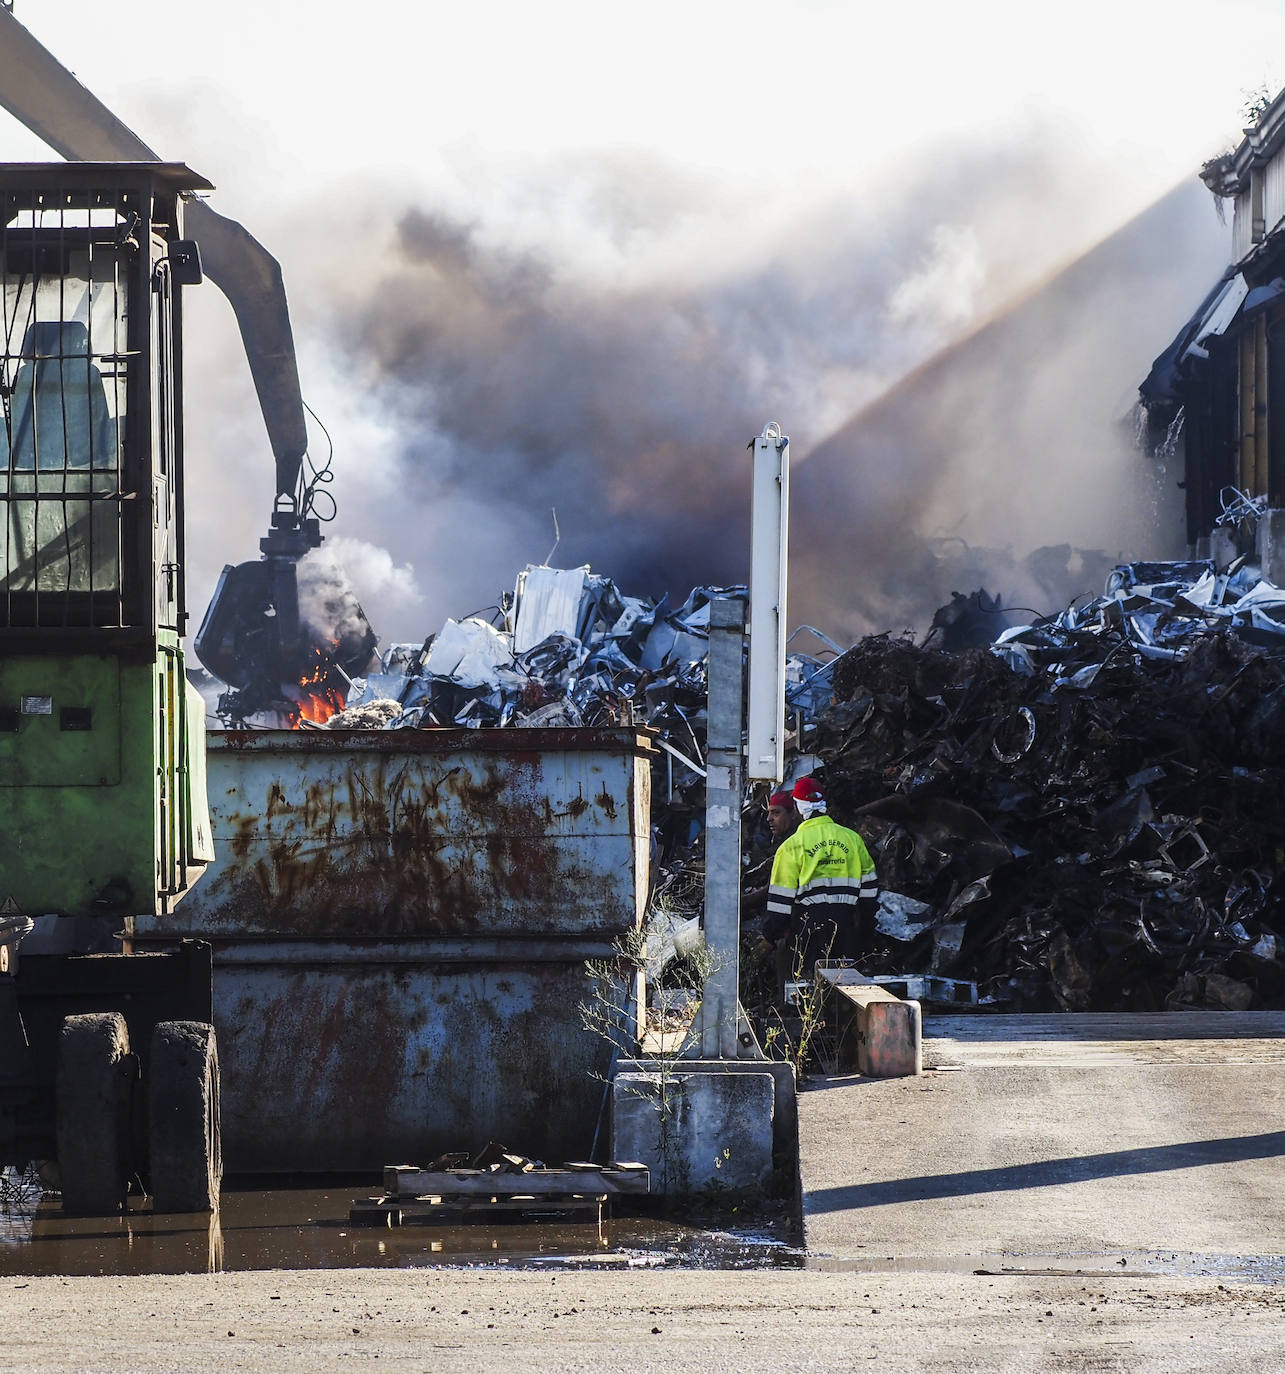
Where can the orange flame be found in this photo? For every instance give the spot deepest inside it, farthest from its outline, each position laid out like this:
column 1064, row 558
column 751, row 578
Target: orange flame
column 318, row 709
column 318, row 702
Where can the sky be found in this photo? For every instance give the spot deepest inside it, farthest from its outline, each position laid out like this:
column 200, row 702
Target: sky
column 572, row 256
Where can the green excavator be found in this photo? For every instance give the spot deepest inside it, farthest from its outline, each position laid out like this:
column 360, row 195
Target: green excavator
column 108, row 1057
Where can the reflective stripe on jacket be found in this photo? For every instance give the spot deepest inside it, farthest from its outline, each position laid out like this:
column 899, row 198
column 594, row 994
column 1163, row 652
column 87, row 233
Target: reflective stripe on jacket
column 821, row 864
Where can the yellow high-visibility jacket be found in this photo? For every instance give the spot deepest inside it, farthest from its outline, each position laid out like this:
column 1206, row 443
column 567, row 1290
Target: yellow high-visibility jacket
column 821, row 864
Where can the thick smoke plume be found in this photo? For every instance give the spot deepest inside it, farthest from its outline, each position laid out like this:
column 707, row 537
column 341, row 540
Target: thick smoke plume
column 609, row 377
column 1009, row 458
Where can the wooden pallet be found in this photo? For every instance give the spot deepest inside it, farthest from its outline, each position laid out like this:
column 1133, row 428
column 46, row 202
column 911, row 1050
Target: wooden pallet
column 412, row 1194
column 399, row 1211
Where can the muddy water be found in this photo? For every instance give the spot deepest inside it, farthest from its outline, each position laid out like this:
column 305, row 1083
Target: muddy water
column 259, row 1229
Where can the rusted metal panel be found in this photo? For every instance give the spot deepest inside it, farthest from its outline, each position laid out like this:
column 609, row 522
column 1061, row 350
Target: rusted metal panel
column 351, row 1066
column 421, row 833
column 401, row 921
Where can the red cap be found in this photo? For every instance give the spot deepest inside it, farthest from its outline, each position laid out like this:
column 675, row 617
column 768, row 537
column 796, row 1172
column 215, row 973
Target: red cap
column 808, row 790
column 781, row 798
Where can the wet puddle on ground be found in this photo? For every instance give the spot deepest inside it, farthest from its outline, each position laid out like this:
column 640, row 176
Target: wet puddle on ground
column 308, row 1228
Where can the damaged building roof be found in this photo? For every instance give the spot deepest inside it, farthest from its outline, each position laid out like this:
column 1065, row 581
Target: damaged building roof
column 1209, row 397
column 1253, row 180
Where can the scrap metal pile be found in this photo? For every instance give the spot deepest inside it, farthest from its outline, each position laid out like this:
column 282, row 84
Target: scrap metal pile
column 570, row 651
column 1083, row 815
column 1087, row 815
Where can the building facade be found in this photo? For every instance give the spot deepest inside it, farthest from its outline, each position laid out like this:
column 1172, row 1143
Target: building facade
column 1216, row 396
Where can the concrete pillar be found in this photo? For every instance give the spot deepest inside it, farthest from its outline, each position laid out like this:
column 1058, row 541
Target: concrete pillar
column 1271, row 545
column 724, row 787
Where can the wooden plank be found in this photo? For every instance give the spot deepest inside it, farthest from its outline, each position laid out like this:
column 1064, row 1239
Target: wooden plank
column 389, row 1211
column 839, row 977
column 865, row 994
column 403, row 1181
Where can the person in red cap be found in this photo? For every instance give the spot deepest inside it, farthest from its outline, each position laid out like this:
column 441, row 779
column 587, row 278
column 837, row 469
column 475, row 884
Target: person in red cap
column 782, row 821
column 782, row 818
column 823, row 892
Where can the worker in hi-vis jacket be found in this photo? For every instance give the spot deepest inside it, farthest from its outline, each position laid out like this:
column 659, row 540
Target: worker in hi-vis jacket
column 823, row 893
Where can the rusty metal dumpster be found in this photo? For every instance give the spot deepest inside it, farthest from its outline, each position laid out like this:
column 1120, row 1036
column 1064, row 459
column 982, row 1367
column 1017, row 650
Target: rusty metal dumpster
column 400, row 922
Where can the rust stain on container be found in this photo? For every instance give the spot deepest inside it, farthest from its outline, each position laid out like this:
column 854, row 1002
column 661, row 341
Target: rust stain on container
column 401, row 921
column 341, row 1066
column 396, row 833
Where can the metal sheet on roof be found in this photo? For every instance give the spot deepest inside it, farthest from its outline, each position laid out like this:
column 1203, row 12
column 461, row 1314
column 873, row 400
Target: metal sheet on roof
column 1219, row 314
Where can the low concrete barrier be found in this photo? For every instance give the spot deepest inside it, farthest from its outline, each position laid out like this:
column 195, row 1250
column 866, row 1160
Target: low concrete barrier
column 876, row 1033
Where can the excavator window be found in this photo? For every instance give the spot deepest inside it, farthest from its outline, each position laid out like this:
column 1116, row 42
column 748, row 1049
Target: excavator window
column 63, row 386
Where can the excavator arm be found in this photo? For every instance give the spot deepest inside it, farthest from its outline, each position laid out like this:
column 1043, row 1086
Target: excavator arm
column 40, row 92
column 253, row 635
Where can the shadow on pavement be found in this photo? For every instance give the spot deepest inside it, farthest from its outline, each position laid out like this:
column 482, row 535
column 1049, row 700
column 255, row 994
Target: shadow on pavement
column 1048, row 1173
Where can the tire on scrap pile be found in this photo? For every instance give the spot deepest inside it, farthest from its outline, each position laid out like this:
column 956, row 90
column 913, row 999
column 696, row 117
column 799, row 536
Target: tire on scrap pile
column 183, row 1117
column 94, row 1091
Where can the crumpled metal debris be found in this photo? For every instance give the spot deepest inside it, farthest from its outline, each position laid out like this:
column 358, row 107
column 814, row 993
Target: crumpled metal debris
column 1090, row 809
column 369, row 715
column 1081, row 816
column 1158, row 610
column 570, row 650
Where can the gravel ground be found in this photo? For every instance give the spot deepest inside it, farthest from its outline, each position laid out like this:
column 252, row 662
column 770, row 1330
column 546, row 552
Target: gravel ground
column 482, row 1320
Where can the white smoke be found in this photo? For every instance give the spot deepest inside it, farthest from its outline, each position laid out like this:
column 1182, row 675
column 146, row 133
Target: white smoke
column 941, row 292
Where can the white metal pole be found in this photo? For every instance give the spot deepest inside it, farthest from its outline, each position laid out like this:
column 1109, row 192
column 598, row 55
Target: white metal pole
column 769, row 534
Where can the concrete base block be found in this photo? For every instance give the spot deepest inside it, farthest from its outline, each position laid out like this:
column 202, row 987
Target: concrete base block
column 713, row 1131
column 1223, row 548
column 1271, row 545
column 876, row 1033
column 785, row 1107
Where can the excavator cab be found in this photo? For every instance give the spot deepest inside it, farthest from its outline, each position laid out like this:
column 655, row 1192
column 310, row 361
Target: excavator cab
column 100, row 736
column 102, row 777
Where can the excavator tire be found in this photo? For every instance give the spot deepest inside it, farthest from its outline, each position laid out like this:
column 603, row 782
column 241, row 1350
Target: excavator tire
column 94, row 1092
column 183, row 1118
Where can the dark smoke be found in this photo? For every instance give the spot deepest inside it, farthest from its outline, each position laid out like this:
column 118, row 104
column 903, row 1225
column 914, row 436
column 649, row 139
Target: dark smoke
column 517, row 386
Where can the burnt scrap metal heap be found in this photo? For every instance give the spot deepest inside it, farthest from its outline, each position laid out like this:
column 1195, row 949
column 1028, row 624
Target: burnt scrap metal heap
column 571, row 650
column 1079, row 816
column 1087, row 815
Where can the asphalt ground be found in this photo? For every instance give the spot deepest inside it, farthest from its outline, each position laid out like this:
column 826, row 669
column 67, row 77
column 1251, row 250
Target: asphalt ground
column 1047, row 1197
column 476, row 1321
column 1057, row 1143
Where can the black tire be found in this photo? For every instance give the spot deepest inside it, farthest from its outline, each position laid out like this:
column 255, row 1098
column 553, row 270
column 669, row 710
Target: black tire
column 183, row 1118
column 93, row 1098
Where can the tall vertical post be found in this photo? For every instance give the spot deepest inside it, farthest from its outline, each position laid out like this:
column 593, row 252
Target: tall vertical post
column 724, row 787
column 769, row 526
column 720, row 1016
